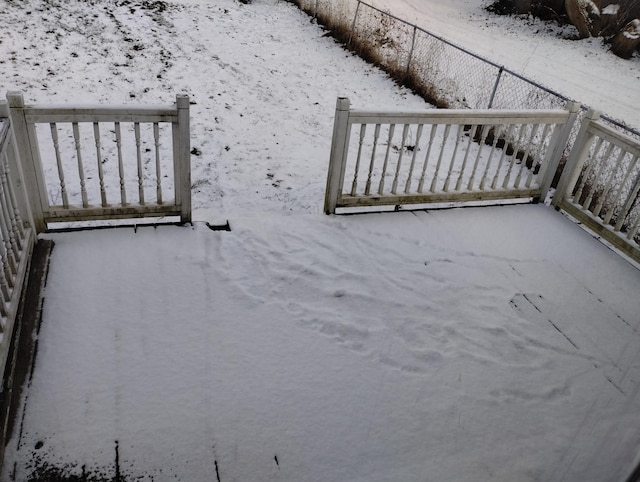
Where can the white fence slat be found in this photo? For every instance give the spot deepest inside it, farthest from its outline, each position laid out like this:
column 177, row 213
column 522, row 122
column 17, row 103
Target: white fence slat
column 96, row 137
column 630, row 199
column 56, row 148
column 136, row 130
column 78, row 144
column 526, row 140
column 427, row 156
column 183, row 172
column 445, row 138
column 407, row 186
column 376, row 138
column 156, row 143
column 354, row 184
column 481, row 141
column 123, row 190
column 100, row 182
column 607, row 188
column 394, row 186
column 452, row 161
column 516, row 148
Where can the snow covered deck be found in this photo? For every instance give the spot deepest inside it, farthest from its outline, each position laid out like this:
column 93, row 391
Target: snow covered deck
column 472, row 344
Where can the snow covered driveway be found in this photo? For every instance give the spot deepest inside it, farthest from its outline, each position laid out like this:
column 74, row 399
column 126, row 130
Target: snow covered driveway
column 473, row 344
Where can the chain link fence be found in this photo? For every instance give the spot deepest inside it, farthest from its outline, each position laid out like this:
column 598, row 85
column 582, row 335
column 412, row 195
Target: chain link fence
column 443, row 73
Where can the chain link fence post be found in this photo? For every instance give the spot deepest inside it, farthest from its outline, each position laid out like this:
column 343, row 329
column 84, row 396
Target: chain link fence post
column 353, row 24
column 495, row 87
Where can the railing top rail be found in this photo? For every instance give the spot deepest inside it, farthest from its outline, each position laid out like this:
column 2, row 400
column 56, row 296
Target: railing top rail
column 459, row 116
column 622, row 125
column 616, row 137
column 124, row 113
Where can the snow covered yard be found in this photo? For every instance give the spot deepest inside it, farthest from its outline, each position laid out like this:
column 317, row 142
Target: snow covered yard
column 471, row 344
column 457, row 345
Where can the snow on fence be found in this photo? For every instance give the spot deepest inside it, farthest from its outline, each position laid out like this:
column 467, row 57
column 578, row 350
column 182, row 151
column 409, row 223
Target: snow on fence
column 600, row 186
column 395, row 158
column 17, row 236
column 104, row 162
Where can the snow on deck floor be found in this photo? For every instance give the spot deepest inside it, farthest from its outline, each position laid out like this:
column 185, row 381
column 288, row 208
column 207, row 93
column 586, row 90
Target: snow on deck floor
column 472, row 344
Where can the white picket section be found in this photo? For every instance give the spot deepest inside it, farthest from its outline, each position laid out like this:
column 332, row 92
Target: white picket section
column 104, row 162
column 600, row 185
column 17, row 237
column 395, row 158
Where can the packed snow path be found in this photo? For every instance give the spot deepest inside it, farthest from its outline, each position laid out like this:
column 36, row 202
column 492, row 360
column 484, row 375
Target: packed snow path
column 474, row 344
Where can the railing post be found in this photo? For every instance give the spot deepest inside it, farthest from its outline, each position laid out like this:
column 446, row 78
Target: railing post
column 337, row 161
column 576, row 159
column 29, row 160
column 182, row 158
column 556, row 148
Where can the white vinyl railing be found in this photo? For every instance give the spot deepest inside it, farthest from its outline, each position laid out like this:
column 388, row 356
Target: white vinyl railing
column 104, row 162
column 600, row 185
column 17, row 236
column 396, row 158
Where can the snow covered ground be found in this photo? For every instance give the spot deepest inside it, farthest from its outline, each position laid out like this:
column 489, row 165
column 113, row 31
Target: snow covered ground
column 458, row 345
column 473, row 344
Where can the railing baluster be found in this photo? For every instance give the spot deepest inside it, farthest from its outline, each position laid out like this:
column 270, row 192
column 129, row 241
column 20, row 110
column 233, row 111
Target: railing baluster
column 634, row 229
column 5, row 291
column 631, row 199
column 452, row 161
column 627, row 175
column 407, row 186
column 463, row 166
column 123, row 192
column 598, row 175
column 56, row 148
column 156, row 141
column 394, row 187
column 432, row 135
column 9, row 260
column 354, row 184
column 392, row 128
column 376, row 136
column 83, row 187
column 483, row 137
column 609, row 183
column 136, row 129
column 487, row 167
column 587, row 173
column 445, row 138
column 17, row 233
column 96, row 136
column 538, row 162
column 525, row 156
column 516, row 148
column 503, row 156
